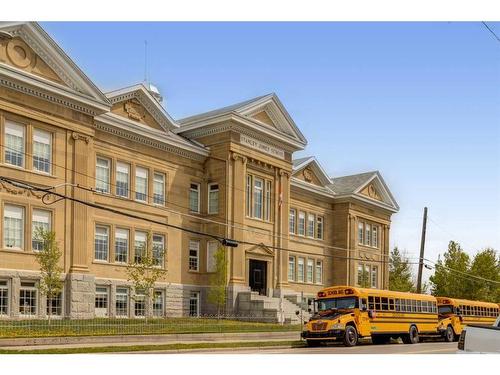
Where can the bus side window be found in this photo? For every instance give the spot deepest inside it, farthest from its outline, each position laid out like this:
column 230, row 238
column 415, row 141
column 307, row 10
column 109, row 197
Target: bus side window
column 377, row 303
column 424, row 306
column 364, row 305
column 398, row 305
column 413, row 306
column 391, row 304
column 419, row 306
column 371, row 303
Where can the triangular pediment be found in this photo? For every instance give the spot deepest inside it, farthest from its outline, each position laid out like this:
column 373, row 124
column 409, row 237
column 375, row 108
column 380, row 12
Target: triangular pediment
column 264, row 118
column 309, row 170
column 260, row 249
column 376, row 189
column 26, row 50
column 372, row 192
column 138, row 105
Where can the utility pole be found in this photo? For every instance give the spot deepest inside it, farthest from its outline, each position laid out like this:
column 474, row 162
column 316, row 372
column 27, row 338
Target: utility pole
column 422, row 246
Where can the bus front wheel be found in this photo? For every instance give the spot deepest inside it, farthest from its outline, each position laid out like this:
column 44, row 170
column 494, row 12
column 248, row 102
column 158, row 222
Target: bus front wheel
column 350, row 336
column 412, row 336
column 449, row 335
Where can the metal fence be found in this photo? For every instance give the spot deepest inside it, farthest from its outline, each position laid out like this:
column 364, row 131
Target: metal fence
column 144, row 326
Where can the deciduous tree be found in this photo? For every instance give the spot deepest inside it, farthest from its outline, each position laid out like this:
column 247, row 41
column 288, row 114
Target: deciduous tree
column 486, row 264
column 400, row 273
column 218, row 291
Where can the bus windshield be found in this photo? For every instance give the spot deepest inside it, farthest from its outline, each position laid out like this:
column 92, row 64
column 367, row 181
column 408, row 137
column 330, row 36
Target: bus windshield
column 337, row 303
column 445, row 309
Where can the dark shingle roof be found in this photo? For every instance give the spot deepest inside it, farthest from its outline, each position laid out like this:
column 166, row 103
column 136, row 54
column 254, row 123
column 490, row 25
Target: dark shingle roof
column 349, row 184
column 299, row 161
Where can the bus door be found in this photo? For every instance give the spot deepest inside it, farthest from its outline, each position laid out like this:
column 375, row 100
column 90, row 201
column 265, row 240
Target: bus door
column 363, row 319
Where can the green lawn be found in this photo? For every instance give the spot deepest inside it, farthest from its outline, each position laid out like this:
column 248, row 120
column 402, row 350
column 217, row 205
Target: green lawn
column 101, row 327
column 144, row 348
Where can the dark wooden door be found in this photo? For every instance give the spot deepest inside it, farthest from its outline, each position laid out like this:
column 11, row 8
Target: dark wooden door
column 258, row 276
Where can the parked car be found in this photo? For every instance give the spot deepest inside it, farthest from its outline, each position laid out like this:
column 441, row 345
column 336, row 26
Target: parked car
column 480, row 339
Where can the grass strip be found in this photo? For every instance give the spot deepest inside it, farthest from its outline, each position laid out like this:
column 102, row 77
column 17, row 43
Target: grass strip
column 141, row 348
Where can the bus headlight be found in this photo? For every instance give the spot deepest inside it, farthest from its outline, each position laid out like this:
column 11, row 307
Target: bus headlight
column 338, row 326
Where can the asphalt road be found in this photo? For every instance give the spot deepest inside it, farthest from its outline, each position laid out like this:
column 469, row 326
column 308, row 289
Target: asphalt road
column 423, row 348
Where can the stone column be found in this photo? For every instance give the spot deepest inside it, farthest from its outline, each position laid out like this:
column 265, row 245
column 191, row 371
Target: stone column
column 385, row 257
column 282, row 225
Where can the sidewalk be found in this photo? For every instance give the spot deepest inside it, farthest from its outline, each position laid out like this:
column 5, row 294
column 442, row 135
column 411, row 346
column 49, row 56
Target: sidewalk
column 131, row 340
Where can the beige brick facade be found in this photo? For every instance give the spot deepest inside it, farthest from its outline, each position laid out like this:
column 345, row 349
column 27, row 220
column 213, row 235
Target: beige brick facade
column 241, row 156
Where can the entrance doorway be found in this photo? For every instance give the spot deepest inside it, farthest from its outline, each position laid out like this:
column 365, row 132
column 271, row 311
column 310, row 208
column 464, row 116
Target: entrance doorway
column 258, row 276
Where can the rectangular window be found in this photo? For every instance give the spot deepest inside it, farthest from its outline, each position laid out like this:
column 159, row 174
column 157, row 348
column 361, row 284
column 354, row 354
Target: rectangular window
column 310, row 270
column 374, row 276
column 159, row 189
column 368, row 235
column 27, row 299
column 194, row 304
column 311, row 220
column 141, row 184
column 101, row 242
column 319, row 227
column 13, row 226
column 375, row 236
column 371, row 303
column 54, row 307
column 4, row 298
column 40, row 221
column 121, row 245
column 249, row 195
column 158, row 303
column 121, row 302
column 212, row 247
column 194, row 252
column 258, row 196
column 158, row 249
column 101, row 301
column 194, row 198
column 42, row 150
column 139, row 304
column 122, row 179
column 319, row 272
column 360, row 274
column 268, row 208
column 384, row 303
column 361, row 227
column 102, row 169
column 140, row 243
column 291, row 221
column 213, row 198
column 300, row 267
column 302, row 223
column 291, row 268
column 14, row 144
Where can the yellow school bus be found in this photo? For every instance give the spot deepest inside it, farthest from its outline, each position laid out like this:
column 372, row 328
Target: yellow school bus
column 456, row 313
column 348, row 313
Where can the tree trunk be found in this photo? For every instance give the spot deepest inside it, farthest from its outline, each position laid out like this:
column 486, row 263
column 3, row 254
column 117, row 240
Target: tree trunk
column 50, row 310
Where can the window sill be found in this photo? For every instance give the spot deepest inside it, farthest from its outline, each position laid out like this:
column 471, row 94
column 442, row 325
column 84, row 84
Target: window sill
column 23, row 169
column 97, row 261
column 194, row 271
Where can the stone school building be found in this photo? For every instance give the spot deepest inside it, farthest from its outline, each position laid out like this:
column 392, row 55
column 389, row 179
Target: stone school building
column 230, row 173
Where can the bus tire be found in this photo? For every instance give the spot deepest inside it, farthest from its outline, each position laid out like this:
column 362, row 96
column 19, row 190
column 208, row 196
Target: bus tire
column 350, row 336
column 313, row 343
column 412, row 336
column 449, row 335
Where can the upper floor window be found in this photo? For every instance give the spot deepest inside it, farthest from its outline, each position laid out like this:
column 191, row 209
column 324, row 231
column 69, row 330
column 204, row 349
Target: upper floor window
column 121, row 245
column 319, row 272
column 258, row 196
column 310, row 270
column 122, row 179
column 374, row 276
column 159, row 189
column 140, row 243
column 291, row 228
column 101, row 242
column 361, row 232
column 310, row 225
column 194, row 255
column 40, row 221
column 141, row 184
column 194, row 198
column 368, row 234
column 42, row 150
column 300, row 276
column 158, row 249
column 291, row 268
column 13, row 226
column 319, row 227
column 102, row 169
column 301, row 230
column 374, row 236
column 213, row 198
column 14, row 143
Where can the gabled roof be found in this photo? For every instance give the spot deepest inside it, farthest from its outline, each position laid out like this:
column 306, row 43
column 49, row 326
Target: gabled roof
column 311, row 161
column 77, row 86
column 284, row 127
column 142, row 94
column 353, row 185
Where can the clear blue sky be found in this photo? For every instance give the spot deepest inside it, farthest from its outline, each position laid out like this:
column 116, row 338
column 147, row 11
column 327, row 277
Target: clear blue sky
column 418, row 101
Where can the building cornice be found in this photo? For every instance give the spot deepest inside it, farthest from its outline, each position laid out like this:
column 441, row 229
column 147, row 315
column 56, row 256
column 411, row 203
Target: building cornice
column 368, row 201
column 296, row 182
column 123, row 128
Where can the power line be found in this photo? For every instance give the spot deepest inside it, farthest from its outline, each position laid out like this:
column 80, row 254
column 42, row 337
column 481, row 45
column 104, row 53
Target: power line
column 461, row 272
column 491, row 31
